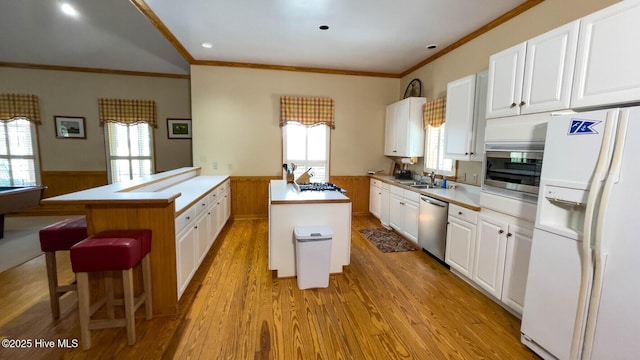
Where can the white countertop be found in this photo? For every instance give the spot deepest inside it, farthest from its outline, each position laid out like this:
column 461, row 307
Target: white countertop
column 282, row 193
column 193, row 189
column 467, row 196
column 182, row 185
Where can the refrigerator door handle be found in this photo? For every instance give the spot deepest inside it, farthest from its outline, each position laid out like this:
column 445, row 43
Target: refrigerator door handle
column 602, row 167
column 600, row 257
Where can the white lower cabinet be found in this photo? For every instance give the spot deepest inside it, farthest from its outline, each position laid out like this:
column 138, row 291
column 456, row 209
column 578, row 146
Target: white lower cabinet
column 411, row 217
column 384, row 204
column 404, row 212
column 461, row 239
column 396, row 211
column 203, row 234
column 375, row 197
column 516, row 268
column 185, row 258
column 197, row 228
column 503, row 248
column 491, row 248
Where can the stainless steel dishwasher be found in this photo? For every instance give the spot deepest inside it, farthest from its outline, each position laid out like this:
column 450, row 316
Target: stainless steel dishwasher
column 432, row 233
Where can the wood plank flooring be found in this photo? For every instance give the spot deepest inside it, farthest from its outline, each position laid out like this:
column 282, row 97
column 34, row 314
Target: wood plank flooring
column 384, row 306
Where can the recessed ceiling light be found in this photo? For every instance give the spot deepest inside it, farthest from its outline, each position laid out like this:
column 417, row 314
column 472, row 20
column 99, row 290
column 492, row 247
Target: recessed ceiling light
column 207, row 45
column 432, row 46
column 69, row 10
column 323, row 27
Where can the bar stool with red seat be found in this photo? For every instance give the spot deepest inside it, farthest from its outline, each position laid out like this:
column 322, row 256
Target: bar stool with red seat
column 114, row 250
column 60, row 236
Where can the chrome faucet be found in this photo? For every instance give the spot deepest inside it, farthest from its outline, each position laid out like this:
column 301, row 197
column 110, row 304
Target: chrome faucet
column 432, row 176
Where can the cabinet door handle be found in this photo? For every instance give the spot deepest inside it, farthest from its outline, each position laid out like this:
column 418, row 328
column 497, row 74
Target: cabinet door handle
column 188, row 218
column 471, row 153
column 509, row 234
column 513, row 105
column 522, row 103
column 500, row 231
column 466, row 153
column 459, row 212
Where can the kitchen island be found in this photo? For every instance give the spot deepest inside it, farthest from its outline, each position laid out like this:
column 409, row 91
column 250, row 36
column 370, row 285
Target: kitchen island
column 184, row 210
column 289, row 208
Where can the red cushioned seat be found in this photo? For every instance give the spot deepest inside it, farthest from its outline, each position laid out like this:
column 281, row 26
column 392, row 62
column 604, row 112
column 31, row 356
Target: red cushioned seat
column 63, row 234
column 110, row 250
column 143, row 235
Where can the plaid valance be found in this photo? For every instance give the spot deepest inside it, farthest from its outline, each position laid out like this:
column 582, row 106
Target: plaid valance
column 307, row 111
column 127, row 111
column 434, row 112
column 19, row 105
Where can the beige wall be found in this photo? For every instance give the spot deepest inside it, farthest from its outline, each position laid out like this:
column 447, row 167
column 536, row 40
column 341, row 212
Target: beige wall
column 76, row 94
column 236, row 111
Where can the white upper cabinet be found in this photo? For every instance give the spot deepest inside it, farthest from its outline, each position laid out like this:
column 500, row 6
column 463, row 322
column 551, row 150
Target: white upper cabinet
column 404, row 129
column 607, row 66
column 465, row 117
column 506, row 74
column 535, row 76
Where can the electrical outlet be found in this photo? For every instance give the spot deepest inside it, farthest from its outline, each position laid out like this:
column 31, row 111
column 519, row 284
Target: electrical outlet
column 214, row 165
column 474, row 177
column 230, row 167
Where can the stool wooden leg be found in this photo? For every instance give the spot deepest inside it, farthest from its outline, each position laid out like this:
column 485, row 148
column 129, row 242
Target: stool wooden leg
column 146, row 279
column 108, row 285
column 84, row 306
column 129, row 305
column 52, row 276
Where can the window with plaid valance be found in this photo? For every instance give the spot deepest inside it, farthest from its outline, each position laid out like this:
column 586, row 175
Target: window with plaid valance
column 127, row 111
column 434, row 112
column 19, row 106
column 307, row 111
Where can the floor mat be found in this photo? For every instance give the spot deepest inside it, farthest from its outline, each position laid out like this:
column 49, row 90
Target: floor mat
column 388, row 241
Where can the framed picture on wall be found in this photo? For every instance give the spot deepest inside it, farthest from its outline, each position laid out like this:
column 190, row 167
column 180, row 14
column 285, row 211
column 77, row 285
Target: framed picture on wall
column 70, row 127
column 179, row 128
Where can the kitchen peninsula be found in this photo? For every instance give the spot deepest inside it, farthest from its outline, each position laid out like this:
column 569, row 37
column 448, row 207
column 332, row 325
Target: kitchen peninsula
column 184, row 210
column 289, row 208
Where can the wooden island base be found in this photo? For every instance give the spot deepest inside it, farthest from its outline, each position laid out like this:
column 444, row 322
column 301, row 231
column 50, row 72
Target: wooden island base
column 171, row 204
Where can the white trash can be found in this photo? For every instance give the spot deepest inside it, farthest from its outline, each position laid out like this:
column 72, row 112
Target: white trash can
column 313, row 256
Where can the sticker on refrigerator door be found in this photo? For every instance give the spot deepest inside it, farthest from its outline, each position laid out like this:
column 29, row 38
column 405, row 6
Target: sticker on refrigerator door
column 583, row 127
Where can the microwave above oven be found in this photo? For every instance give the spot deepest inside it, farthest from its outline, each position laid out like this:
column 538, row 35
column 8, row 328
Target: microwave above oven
column 513, row 169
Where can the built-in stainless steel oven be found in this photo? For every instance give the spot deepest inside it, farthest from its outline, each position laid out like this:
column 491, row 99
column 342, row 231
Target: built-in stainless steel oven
column 513, row 169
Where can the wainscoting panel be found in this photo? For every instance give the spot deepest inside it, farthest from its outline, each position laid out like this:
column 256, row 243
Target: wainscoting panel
column 250, row 196
column 357, row 190
column 64, row 182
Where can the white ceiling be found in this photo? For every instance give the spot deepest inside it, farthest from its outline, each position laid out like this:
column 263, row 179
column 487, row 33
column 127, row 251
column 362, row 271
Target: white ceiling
column 380, row 36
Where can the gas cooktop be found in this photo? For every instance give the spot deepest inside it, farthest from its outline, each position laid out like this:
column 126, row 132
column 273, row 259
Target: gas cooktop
column 320, row 187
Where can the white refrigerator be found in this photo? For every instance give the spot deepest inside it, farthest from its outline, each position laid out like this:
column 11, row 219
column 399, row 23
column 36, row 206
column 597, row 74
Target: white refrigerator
column 583, row 289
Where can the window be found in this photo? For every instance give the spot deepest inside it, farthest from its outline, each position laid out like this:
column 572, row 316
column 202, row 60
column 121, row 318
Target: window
column 307, row 147
column 434, row 151
column 18, row 153
column 129, row 150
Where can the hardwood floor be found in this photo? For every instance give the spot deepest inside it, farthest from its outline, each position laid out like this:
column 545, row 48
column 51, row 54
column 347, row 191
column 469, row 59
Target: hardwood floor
column 384, row 306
